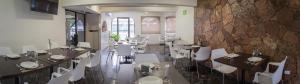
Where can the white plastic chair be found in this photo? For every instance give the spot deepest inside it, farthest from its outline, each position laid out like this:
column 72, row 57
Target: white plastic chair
column 123, row 50
column 78, row 72
column 5, row 51
column 142, row 48
column 95, row 60
column 202, row 55
column 177, row 53
column 60, row 77
column 223, row 68
column 84, row 44
column 28, row 48
column 53, row 45
column 267, row 77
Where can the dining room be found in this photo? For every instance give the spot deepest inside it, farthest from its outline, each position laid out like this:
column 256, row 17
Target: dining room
column 149, row 41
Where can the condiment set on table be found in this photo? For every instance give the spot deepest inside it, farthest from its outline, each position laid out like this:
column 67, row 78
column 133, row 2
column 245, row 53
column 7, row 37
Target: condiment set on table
column 255, row 59
column 149, row 75
column 147, row 68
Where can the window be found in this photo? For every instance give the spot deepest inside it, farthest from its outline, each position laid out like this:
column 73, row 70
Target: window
column 171, row 24
column 150, row 25
column 123, row 26
column 75, row 24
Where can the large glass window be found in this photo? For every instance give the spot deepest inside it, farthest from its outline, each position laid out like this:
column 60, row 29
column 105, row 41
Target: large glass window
column 80, row 27
column 123, row 26
column 171, row 24
column 150, row 25
column 75, row 24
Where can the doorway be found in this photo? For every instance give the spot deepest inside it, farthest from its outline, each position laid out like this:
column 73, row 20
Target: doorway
column 123, row 26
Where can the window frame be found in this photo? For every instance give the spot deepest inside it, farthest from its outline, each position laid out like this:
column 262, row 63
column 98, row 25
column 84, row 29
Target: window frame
column 128, row 24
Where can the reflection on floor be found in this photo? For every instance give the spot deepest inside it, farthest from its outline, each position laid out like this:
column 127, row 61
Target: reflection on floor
column 95, row 75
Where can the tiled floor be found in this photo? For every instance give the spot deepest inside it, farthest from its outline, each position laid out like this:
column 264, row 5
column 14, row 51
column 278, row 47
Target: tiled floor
column 106, row 74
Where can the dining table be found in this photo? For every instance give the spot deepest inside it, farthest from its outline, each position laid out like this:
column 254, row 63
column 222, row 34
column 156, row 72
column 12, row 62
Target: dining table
column 10, row 67
column 169, row 75
column 243, row 64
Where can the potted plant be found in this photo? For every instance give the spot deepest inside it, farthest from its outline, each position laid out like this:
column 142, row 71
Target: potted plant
column 115, row 37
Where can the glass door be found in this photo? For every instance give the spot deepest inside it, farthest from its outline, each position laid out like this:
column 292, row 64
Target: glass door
column 123, row 26
column 75, row 24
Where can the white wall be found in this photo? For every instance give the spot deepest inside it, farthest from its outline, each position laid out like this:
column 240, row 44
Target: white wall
column 20, row 26
column 185, row 23
column 154, row 38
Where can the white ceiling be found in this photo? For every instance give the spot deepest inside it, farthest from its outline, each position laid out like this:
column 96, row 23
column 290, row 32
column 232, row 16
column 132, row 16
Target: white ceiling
column 127, row 3
column 100, row 6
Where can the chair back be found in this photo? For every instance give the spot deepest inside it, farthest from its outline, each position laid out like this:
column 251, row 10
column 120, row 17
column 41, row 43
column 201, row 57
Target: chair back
column 172, row 51
column 217, row 53
column 278, row 73
column 53, row 44
column 28, row 48
column 264, row 80
column 203, row 53
column 95, row 60
column 124, row 50
column 5, row 51
column 79, row 70
column 145, row 43
column 63, row 79
column 84, row 44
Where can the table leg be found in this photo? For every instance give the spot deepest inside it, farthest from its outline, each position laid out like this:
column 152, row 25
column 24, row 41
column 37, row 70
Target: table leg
column 17, row 80
column 51, row 71
column 243, row 77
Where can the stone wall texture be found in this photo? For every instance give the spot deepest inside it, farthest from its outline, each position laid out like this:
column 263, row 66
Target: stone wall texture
column 272, row 26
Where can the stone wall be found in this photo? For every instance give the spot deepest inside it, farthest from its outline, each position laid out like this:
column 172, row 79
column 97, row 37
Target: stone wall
column 272, row 26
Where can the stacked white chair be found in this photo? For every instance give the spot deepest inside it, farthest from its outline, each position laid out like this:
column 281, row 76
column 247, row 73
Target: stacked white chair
column 267, row 77
column 78, row 72
column 5, row 51
column 223, row 68
column 202, row 55
column 28, row 48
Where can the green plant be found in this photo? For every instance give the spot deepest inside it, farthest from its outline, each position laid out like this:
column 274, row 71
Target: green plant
column 115, row 37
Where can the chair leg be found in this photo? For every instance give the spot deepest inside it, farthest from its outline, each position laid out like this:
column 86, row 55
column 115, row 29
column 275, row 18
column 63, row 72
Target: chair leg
column 107, row 58
column 117, row 64
column 223, row 79
column 237, row 76
column 197, row 69
column 174, row 62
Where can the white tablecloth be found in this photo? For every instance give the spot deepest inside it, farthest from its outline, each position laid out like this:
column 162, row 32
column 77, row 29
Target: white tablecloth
column 146, row 58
